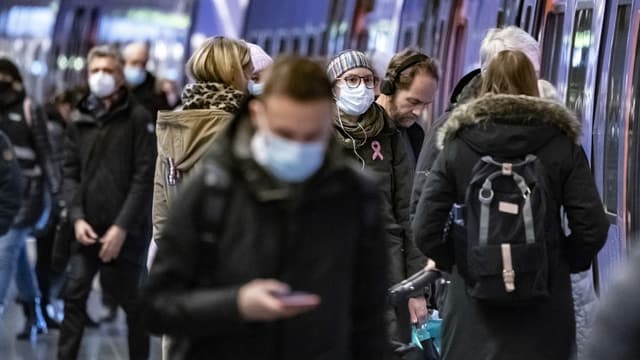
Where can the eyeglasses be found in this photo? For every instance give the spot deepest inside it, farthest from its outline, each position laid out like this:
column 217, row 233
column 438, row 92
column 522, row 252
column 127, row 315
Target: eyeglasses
column 353, row 81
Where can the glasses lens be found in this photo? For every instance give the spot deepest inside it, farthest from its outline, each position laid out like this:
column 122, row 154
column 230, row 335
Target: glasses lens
column 352, row 81
column 369, row 81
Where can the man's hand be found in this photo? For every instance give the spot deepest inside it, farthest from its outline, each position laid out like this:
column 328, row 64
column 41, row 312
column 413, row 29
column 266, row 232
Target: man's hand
column 112, row 243
column 84, row 233
column 418, row 310
column 258, row 301
column 431, row 265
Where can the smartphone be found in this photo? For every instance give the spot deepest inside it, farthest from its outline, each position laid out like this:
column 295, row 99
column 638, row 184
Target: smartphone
column 298, row 298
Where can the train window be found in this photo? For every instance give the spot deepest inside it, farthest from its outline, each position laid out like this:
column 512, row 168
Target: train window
column 551, row 46
column 283, row 45
column 579, row 59
column 613, row 120
column 311, row 46
column 527, row 18
column 500, row 19
column 633, row 154
column 268, row 43
column 406, row 40
column 296, row 45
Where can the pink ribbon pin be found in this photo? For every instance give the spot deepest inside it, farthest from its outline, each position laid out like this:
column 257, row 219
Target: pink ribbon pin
column 377, row 154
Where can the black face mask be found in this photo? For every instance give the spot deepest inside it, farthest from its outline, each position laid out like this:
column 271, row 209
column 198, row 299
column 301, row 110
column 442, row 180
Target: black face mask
column 5, row 86
column 8, row 94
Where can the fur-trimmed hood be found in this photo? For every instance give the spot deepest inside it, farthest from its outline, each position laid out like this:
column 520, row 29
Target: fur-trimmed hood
column 537, row 121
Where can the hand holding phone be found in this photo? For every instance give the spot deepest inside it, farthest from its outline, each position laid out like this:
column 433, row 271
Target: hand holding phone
column 298, row 299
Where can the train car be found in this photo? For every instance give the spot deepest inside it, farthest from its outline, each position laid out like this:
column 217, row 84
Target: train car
column 589, row 51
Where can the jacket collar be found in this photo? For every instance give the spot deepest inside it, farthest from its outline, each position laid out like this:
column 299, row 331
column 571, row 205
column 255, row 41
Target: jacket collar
column 92, row 110
column 511, row 110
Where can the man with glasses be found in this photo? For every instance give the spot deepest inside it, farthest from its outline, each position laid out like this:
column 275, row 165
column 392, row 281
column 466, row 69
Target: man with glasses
column 369, row 136
column 407, row 90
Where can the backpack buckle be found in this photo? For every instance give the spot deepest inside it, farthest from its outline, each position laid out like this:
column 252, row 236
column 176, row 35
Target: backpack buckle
column 507, row 169
column 508, row 274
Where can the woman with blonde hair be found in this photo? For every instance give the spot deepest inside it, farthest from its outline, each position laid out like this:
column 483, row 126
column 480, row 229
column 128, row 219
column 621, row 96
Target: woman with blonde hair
column 221, row 69
column 510, row 293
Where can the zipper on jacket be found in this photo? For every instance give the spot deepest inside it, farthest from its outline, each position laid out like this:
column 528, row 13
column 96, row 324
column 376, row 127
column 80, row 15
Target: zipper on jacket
column 173, row 174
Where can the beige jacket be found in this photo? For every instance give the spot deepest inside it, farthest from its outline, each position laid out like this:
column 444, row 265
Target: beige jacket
column 183, row 138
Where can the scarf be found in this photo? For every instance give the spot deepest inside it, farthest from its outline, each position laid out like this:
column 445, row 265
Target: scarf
column 211, row 96
column 367, row 126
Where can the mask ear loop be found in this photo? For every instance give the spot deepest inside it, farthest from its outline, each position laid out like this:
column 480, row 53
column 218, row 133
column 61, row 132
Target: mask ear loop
column 353, row 141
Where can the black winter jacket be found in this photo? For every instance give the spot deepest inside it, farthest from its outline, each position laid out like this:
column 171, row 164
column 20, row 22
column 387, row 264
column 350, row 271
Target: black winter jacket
column 10, row 184
column 29, row 136
column 466, row 90
column 149, row 95
column 109, row 168
column 507, row 126
column 323, row 236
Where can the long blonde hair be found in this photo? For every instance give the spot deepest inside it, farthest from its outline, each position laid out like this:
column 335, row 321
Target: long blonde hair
column 222, row 60
column 510, row 72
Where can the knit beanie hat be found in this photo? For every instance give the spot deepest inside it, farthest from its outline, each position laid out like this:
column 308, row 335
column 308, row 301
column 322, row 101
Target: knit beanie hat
column 345, row 61
column 260, row 59
column 8, row 67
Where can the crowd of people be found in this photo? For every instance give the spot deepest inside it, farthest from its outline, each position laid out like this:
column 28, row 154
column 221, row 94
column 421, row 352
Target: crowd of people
column 266, row 211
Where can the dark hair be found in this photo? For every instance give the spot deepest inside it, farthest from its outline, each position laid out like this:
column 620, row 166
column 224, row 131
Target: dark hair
column 404, row 80
column 510, row 72
column 298, row 78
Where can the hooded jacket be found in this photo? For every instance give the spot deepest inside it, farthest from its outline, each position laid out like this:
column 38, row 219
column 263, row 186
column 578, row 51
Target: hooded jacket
column 183, row 138
column 508, row 126
column 323, row 236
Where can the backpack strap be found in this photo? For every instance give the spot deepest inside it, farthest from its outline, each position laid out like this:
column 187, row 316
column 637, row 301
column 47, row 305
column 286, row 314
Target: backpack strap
column 486, row 197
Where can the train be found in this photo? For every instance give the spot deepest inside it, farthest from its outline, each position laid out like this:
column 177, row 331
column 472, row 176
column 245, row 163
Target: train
column 589, row 52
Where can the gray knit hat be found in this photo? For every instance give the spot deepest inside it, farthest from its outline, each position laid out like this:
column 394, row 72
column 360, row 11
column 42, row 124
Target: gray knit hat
column 345, row 61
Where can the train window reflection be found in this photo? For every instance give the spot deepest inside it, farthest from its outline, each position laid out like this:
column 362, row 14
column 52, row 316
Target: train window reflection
column 613, row 120
column 551, row 46
column 311, row 46
column 633, row 158
column 579, row 59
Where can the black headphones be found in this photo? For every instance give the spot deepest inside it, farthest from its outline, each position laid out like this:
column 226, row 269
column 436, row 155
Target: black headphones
column 388, row 85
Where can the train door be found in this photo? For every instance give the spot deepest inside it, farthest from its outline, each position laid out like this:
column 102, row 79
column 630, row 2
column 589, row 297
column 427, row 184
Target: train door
column 632, row 148
column 552, row 42
column 609, row 135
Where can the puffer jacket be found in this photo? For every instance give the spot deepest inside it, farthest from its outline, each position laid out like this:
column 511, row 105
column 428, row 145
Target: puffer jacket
column 507, row 126
column 183, row 138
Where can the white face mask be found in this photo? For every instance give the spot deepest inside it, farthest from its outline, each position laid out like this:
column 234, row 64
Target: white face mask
column 102, row 84
column 355, row 101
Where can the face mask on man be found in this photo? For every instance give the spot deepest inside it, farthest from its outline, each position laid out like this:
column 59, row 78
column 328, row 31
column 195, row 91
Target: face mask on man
column 255, row 88
column 288, row 160
column 102, row 84
column 134, row 75
column 355, row 101
column 5, row 85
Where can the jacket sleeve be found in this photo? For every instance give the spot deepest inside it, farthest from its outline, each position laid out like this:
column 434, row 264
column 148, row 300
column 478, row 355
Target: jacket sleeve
column 141, row 190
column 43, row 149
column 160, row 206
column 72, row 170
column 172, row 305
column 10, row 185
column 414, row 261
column 432, row 213
column 369, row 335
column 587, row 221
column 426, row 159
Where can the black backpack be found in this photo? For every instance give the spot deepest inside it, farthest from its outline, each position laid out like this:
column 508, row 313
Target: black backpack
column 506, row 219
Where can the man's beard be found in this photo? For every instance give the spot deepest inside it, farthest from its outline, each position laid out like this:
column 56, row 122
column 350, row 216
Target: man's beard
column 399, row 119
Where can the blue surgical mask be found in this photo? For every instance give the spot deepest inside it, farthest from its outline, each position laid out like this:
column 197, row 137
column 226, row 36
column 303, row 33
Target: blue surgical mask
column 134, row 75
column 255, row 88
column 355, row 101
column 288, row 160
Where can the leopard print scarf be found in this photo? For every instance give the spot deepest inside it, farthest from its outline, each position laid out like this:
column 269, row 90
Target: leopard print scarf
column 211, row 96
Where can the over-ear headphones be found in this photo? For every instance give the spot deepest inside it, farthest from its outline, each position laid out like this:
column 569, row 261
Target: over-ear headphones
column 388, row 85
